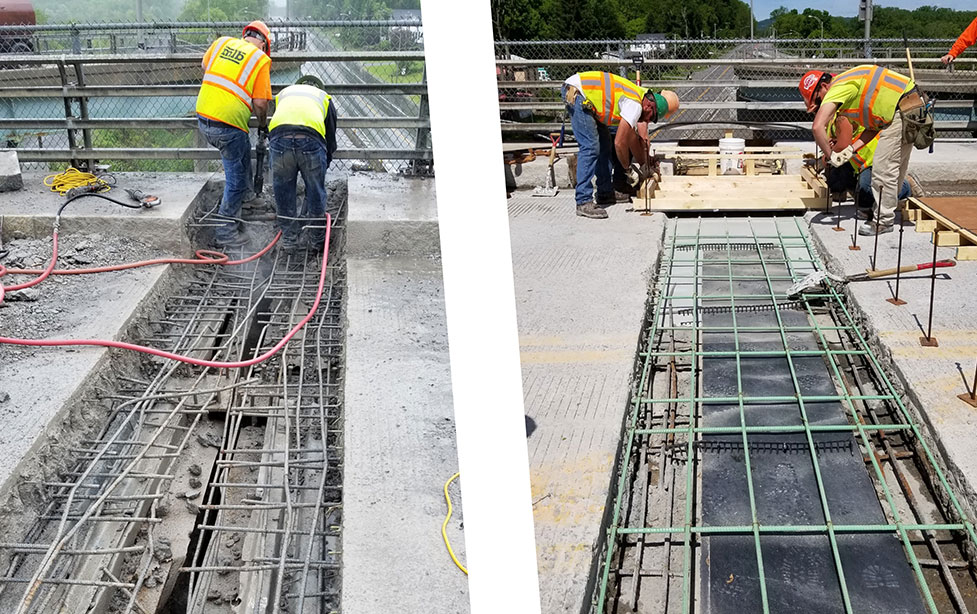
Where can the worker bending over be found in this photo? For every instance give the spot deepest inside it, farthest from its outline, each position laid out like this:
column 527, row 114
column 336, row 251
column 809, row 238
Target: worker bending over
column 303, row 139
column 236, row 82
column 875, row 99
column 856, row 176
column 597, row 101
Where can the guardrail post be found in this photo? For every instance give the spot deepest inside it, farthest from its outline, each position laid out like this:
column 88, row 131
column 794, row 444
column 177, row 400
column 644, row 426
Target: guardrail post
column 83, row 105
column 68, row 114
column 421, row 136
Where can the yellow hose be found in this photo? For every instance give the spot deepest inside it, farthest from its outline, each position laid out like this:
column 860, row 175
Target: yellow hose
column 74, row 178
column 444, row 524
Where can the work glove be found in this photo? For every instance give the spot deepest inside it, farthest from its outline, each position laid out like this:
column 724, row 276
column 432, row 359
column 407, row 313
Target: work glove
column 637, row 173
column 840, row 157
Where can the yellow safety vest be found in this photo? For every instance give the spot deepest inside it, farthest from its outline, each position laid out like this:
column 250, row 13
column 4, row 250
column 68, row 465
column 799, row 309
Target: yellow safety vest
column 877, row 91
column 228, row 81
column 301, row 105
column 605, row 90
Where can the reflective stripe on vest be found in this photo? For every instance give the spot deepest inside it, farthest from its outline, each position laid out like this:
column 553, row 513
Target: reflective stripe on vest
column 605, row 91
column 301, row 105
column 863, row 158
column 879, row 90
column 228, row 83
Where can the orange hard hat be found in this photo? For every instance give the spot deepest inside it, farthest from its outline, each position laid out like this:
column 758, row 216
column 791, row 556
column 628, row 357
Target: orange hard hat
column 809, row 84
column 259, row 28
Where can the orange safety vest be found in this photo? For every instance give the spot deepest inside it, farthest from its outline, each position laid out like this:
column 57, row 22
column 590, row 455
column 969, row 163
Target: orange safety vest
column 605, row 91
column 228, row 82
column 879, row 91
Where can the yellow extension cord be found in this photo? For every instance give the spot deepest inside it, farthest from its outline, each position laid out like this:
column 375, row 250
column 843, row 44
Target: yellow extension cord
column 444, row 524
column 74, row 178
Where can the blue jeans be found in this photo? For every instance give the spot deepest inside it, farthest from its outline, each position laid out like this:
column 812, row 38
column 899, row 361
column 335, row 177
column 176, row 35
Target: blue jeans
column 594, row 158
column 291, row 154
column 234, row 145
column 866, row 199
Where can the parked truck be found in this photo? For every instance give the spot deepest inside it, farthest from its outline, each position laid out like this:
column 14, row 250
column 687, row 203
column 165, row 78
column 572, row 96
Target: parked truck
column 16, row 13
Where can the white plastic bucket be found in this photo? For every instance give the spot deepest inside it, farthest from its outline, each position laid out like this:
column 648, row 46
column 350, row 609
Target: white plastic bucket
column 730, row 151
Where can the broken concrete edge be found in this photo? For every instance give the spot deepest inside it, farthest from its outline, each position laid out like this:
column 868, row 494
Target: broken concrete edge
column 81, row 417
column 10, row 177
column 963, row 488
column 375, row 231
column 599, row 548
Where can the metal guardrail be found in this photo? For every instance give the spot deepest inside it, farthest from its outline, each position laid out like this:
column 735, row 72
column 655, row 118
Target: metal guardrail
column 743, row 84
column 80, row 107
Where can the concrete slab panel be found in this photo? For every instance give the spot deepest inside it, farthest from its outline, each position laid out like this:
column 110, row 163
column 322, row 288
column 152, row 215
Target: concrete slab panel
column 391, row 215
column 399, row 442
column 31, row 211
column 581, row 287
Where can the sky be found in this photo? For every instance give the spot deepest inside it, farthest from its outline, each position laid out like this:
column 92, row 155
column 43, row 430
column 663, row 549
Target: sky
column 849, row 8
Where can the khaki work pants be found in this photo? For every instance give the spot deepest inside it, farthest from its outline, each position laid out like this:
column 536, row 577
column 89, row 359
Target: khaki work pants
column 889, row 168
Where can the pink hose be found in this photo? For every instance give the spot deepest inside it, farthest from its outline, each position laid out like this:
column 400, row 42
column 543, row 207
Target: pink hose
column 201, row 259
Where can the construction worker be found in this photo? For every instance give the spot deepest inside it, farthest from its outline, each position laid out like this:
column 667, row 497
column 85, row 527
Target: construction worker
column 236, row 82
column 875, row 99
column 303, row 139
column 597, row 101
column 967, row 38
column 856, row 176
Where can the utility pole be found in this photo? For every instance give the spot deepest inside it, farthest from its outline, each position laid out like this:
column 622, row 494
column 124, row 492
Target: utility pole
column 865, row 14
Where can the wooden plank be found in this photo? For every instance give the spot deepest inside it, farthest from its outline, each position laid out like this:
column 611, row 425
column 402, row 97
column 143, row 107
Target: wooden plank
column 926, row 225
column 732, row 204
column 967, row 252
column 956, row 213
column 947, row 238
column 742, row 156
column 817, row 184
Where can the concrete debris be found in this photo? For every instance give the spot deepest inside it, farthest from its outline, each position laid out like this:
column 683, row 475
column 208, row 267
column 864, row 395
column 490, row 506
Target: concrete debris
column 192, row 507
column 209, row 439
column 27, row 295
column 163, row 552
column 195, row 483
column 191, row 494
column 195, row 470
column 10, row 178
column 215, row 595
column 4, row 397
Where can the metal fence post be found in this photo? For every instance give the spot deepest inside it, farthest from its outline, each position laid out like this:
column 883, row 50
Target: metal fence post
column 83, row 106
column 421, row 136
column 76, row 41
column 68, row 114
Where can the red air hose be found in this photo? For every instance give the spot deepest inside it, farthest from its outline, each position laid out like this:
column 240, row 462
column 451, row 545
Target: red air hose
column 203, row 257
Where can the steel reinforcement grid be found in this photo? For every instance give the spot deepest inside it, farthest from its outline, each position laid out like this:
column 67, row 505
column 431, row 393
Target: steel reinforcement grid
column 258, row 528
column 767, row 463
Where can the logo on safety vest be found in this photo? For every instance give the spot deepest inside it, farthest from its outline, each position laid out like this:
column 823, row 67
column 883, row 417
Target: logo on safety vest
column 809, row 81
column 232, row 55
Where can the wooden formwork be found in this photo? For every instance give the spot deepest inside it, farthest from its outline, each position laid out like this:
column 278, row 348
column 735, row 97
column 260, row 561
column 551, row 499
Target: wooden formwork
column 951, row 220
column 754, row 190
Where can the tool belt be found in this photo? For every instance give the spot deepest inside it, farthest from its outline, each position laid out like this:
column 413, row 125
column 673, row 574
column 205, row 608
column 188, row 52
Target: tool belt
column 912, row 100
column 917, row 119
column 571, row 97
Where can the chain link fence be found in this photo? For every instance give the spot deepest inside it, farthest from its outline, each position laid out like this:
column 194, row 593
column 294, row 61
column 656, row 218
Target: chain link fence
column 124, row 94
column 745, row 85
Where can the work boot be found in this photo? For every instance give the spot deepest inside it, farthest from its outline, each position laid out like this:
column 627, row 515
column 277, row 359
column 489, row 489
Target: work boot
column 915, row 189
column 237, row 239
column 289, row 245
column 592, row 211
column 867, row 229
column 864, row 214
column 611, row 198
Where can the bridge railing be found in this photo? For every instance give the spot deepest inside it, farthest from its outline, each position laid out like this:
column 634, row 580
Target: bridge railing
column 742, row 84
column 134, row 108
